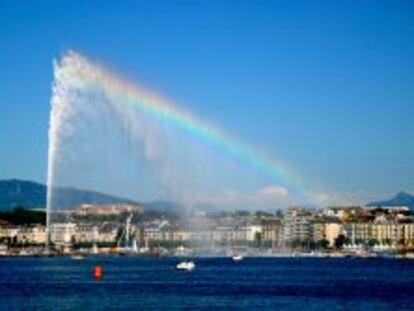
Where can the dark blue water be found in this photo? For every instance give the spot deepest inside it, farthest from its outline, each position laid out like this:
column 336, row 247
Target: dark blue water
column 151, row 284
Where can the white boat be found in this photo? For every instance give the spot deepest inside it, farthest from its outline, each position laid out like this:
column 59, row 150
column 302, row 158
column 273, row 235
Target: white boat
column 186, row 265
column 77, row 257
column 95, row 249
column 237, row 257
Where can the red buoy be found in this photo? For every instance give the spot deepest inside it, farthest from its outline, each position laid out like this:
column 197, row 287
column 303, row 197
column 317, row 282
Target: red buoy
column 97, row 272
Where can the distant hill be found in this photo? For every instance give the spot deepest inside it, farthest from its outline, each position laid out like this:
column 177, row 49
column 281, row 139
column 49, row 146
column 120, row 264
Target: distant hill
column 401, row 199
column 28, row 194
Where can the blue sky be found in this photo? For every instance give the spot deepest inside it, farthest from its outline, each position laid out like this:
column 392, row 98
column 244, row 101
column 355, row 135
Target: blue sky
column 327, row 86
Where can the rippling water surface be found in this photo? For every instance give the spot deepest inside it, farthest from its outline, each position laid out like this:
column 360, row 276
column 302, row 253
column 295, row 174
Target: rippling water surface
column 216, row 283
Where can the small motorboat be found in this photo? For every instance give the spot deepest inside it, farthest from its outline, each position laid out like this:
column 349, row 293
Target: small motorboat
column 186, row 265
column 77, row 257
column 237, row 257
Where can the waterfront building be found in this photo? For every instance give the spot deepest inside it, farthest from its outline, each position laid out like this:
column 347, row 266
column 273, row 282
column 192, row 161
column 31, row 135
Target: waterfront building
column 332, row 231
column 106, row 210
column 31, row 234
column 393, row 233
column 297, row 225
column 387, row 233
column 327, row 228
column 358, row 232
column 408, row 233
column 318, row 230
column 272, row 231
column 63, row 233
column 181, row 235
column 86, row 232
column 9, row 232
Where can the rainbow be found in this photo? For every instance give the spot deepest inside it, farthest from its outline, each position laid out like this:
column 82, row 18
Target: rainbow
column 95, row 75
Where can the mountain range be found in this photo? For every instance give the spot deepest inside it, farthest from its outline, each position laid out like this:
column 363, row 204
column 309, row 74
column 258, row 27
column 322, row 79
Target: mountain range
column 400, row 199
column 28, row 194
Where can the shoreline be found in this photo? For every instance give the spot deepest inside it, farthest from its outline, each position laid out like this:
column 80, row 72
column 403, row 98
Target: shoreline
column 81, row 256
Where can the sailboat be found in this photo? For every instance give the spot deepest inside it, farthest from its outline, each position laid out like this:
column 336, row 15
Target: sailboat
column 128, row 249
column 95, row 249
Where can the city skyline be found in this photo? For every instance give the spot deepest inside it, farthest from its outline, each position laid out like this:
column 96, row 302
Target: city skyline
column 333, row 103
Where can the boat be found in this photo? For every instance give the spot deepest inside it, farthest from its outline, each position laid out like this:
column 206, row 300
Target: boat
column 77, row 257
column 24, row 252
column 237, row 257
column 95, row 249
column 186, row 265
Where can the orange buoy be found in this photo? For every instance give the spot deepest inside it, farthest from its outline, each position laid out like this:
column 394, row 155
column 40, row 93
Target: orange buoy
column 97, row 272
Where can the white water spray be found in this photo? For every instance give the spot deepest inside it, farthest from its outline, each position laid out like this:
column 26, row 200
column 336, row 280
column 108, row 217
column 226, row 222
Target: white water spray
column 99, row 140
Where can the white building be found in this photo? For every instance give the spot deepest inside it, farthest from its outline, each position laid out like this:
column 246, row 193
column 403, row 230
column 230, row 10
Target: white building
column 32, row 234
column 62, row 233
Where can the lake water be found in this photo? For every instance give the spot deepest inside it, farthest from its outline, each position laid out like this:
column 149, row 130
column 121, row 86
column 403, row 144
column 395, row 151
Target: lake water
column 216, row 283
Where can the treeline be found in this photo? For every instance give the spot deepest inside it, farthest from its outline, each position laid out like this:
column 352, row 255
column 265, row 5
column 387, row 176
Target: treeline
column 22, row 216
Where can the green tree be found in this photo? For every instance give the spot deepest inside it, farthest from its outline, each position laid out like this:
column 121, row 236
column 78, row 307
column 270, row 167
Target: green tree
column 340, row 241
column 373, row 242
column 322, row 244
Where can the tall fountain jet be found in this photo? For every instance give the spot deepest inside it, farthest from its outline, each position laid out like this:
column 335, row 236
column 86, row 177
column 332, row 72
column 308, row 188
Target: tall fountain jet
column 109, row 135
